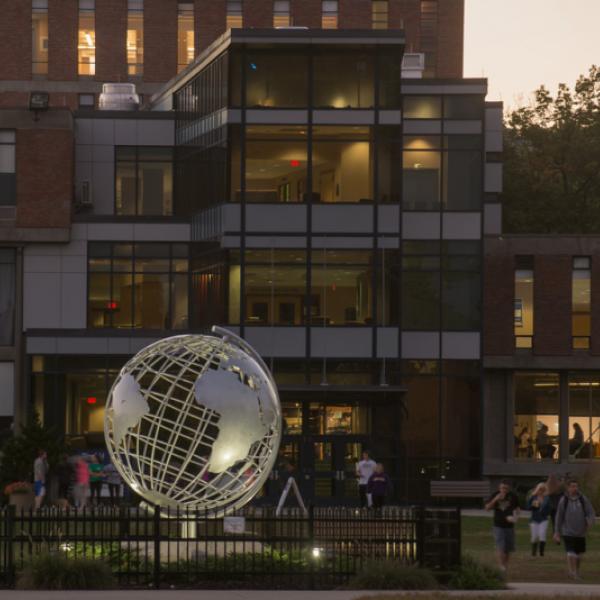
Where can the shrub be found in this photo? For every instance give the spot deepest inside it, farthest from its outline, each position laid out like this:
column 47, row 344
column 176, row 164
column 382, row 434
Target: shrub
column 18, row 487
column 390, row 575
column 473, row 575
column 55, row 571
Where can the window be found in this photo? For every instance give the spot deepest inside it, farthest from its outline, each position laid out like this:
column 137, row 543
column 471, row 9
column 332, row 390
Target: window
column 276, row 165
column 389, row 177
column 462, row 168
column 185, row 35
column 421, row 286
column 344, row 79
column 523, row 302
column 8, row 182
column 341, row 287
column 276, row 80
column 379, row 14
column 234, row 19
column 281, row 13
column 342, row 165
column 7, row 296
column 87, row 101
column 141, row 286
column 135, row 37
column 86, row 44
column 144, row 181
column 422, row 162
column 275, row 287
column 536, row 422
column 350, row 418
column 329, row 14
column 422, row 107
column 581, row 302
column 463, row 107
column 584, row 415
column 39, row 42
column 461, row 286
column 292, row 418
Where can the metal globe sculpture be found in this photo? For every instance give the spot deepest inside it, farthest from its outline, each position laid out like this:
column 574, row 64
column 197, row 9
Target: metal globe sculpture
column 194, row 422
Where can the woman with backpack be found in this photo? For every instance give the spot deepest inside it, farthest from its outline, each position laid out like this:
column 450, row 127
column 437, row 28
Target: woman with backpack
column 539, row 505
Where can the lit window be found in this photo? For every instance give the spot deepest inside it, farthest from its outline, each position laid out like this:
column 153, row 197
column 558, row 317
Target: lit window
column 185, row 35
column 7, row 168
column 86, row 46
column 379, row 14
column 523, row 303
column 87, row 101
column 142, row 286
column 581, row 302
column 281, row 13
column 234, row 14
column 329, row 14
column 39, row 48
column 135, row 37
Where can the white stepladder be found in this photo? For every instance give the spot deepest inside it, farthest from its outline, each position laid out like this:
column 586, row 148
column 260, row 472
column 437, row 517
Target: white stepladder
column 290, row 485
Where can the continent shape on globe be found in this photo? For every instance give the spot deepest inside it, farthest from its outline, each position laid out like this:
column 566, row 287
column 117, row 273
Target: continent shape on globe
column 245, row 413
column 129, row 406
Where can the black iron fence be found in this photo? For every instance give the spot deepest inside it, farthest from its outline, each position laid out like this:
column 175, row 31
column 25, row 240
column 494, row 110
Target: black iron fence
column 253, row 548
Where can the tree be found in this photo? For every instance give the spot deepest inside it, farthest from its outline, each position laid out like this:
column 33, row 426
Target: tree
column 19, row 451
column 552, row 161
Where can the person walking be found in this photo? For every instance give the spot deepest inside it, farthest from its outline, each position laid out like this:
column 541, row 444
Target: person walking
column 539, row 505
column 82, row 483
column 64, row 474
column 378, row 486
column 96, row 479
column 40, row 472
column 364, row 469
column 113, row 479
column 505, row 504
column 555, row 492
column 575, row 515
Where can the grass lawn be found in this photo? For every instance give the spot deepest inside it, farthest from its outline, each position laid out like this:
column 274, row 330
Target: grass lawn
column 477, row 540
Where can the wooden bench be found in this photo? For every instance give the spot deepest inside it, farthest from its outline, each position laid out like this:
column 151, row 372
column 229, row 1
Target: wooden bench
column 459, row 489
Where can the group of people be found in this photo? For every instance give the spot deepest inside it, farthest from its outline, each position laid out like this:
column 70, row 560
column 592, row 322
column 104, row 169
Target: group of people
column 79, row 478
column 374, row 484
column 525, row 448
column 569, row 511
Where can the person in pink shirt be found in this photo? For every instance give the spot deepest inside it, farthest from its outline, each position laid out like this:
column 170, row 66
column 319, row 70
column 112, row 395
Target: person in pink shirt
column 82, row 483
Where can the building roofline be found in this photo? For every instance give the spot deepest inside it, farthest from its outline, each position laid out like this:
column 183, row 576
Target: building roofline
column 292, row 36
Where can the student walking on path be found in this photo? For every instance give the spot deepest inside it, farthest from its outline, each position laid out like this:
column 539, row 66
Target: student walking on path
column 364, row 469
column 379, row 486
column 539, row 505
column 505, row 505
column 575, row 515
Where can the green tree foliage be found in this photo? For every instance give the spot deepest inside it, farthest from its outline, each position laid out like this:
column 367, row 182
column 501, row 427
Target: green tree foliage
column 552, row 161
column 19, row 451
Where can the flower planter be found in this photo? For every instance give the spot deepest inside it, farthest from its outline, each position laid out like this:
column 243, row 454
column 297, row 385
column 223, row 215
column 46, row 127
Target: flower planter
column 22, row 501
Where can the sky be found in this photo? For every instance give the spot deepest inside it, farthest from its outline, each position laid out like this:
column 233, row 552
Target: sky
column 520, row 44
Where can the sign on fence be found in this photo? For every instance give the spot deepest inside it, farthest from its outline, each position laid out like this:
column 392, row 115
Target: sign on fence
column 234, row 525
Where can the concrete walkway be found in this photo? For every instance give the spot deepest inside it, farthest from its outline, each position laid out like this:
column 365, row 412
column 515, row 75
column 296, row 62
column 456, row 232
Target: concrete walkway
column 547, row 590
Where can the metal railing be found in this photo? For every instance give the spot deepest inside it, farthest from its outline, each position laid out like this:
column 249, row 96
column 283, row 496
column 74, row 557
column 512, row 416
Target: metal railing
column 251, row 549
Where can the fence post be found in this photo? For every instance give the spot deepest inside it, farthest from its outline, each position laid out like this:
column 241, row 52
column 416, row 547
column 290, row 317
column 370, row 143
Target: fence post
column 156, row 547
column 311, row 545
column 10, row 513
column 421, row 536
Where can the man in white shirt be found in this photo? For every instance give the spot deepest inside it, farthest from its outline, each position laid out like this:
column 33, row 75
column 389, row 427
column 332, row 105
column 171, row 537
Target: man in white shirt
column 364, row 470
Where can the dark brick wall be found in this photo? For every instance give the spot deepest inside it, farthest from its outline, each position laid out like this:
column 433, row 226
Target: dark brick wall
column 44, row 179
column 63, row 23
column 209, row 18
column 258, row 13
column 111, row 35
column 15, row 39
column 407, row 14
column 498, row 297
column 160, row 40
column 306, row 13
column 451, row 17
column 552, row 305
column 354, row 14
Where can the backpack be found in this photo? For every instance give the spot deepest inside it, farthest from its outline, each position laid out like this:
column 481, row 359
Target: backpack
column 566, row 499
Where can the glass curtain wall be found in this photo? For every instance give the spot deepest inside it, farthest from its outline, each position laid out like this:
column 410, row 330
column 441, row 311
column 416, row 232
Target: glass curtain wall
column 581, row 302
column 138, row 286
column 185, row 35
column 39, row 43
column 86, row 46
column 135, row 38
column 523, row 303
